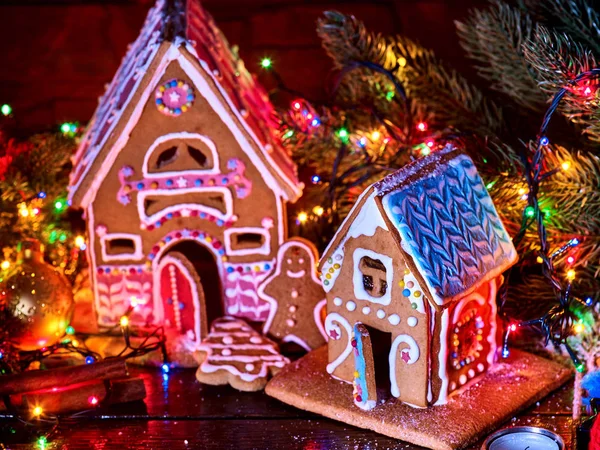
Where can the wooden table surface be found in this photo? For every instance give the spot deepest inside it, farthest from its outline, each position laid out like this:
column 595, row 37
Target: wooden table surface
column 180, row 413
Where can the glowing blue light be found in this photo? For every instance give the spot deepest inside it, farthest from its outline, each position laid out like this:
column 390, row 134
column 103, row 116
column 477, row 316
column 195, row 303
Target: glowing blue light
column 505, row 353
column 90, row 360
column 315, row 179
column 574, row 241
column 165, row 368
column 589, row 301
column 1, row 355
column 544, row 140
column 315, row 122
column 42, row 194
column 363, row 141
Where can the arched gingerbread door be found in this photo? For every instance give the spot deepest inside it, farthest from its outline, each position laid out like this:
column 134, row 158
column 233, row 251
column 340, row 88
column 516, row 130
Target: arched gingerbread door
column 182, row 296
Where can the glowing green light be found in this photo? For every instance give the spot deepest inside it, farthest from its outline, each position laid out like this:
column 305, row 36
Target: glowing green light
column 390, row 95
column 529, row 211
column 6, row 109
column 41, row 442
column 490, row 184
column 485, row 160
column 580, row 367
column 58, row 205
column 266, row 63
column 63, row 237
column 65, row 128
column 343, row 134
column 52, row 237
column 288, row 134
column 70, row 330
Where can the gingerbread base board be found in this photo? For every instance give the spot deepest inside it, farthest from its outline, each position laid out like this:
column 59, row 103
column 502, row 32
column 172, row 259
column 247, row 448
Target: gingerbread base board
column 511, row 386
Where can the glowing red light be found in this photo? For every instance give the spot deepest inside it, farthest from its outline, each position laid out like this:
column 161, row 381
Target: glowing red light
column 93, row 400
column 570, row 260
column 587, row 91
column 297, row 105
column 512, row 327
column 421, row 126
column 430, row 144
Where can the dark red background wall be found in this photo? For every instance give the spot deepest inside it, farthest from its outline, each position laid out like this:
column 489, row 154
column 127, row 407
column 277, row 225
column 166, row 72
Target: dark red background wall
column 57, row 55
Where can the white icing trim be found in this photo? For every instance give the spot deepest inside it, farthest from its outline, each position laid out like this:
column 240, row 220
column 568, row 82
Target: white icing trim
column 413, row 352
column 357, row 276
column 296, row 188
column 343, row 240
column 331, row 317
column 442, row 360
column 141, row 197
column 264, row 249
column 317, row 316
column 182, row 135
column 298, row 274
column 366, row 406
column 137, row 252
column 296, row 340
column 91, row 248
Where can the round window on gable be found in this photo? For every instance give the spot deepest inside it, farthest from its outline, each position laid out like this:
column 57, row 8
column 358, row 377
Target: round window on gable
column 174, row 97
column 374, row 276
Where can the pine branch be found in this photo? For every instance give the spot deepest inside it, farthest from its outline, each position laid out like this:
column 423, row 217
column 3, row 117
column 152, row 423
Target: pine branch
column 577, row 19
column 493, row 38
column 439, row 90
column 557, row 59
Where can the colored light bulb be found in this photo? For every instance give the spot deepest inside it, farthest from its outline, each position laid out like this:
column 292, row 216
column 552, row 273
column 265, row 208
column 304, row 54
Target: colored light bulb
column 315, row 179
column 266, row 63
column 544, row 140
column 570, row 274
column 302, row 217
column 6, row 109
column 530, row 211
column 37, row 411
column 90, row 360
column 93, row 400
column 124, row 321
column 566, row 165
column 318, row 210
column 165, row 368
column 421, row 126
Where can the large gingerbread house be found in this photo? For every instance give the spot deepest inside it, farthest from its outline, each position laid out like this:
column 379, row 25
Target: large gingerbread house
column 411, row 279
column 183, row 180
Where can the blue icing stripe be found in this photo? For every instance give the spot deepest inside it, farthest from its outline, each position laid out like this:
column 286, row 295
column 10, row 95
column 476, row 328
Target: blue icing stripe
column 360, row 366
column 450, row 225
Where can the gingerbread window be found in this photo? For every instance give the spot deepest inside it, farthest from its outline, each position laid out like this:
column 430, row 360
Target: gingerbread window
column 121, row 246
column 373, row 276
column 247, row 241
column 181, row 152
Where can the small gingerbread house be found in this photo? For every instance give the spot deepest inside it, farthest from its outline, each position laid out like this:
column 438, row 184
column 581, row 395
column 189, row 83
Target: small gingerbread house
column 183, row 180
column 411, row 279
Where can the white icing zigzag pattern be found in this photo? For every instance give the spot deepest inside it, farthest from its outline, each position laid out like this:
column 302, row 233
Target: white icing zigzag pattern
column 452, row 228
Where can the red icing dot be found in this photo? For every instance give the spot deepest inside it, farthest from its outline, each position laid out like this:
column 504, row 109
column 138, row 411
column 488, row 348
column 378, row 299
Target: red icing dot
column 150, row 227
column 353, row 342
column 177, row 235
column 100, row 271
column 195, row 234
column 155, row 249
column 176, row 214
column 359, row 399
column 240, row 269
column 216, row 244
column 194, row 213
column 132, row 271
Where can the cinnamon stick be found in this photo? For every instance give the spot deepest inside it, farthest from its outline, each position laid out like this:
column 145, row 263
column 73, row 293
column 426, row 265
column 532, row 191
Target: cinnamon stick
column 48, row 379
column 85, row 396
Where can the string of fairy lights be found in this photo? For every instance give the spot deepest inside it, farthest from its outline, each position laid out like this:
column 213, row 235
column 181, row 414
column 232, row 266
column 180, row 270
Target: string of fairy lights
column 560, row 321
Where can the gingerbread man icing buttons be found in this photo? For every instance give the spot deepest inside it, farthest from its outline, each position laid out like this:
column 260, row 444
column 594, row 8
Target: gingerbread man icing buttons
column 296, row 296
column 233, row 353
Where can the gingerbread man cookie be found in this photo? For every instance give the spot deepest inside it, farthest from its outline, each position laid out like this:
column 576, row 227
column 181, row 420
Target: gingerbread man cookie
column 233, row 353
column 296, row 296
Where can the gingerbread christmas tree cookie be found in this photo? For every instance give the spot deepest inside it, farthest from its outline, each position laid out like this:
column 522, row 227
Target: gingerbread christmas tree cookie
column 233, row 353
column 296, row 296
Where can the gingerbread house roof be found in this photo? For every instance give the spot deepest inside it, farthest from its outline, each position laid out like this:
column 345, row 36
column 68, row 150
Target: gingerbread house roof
column 444, row 221
column 184, row 23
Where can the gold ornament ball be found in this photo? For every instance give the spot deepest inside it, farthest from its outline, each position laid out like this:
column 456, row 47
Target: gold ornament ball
column 41, row 298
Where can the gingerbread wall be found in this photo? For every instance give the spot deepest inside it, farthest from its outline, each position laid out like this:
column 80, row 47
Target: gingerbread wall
column 406, row 317
column 106, row 211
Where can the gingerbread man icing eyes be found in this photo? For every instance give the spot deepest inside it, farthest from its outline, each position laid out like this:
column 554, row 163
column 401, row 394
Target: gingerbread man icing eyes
column 296, row 296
